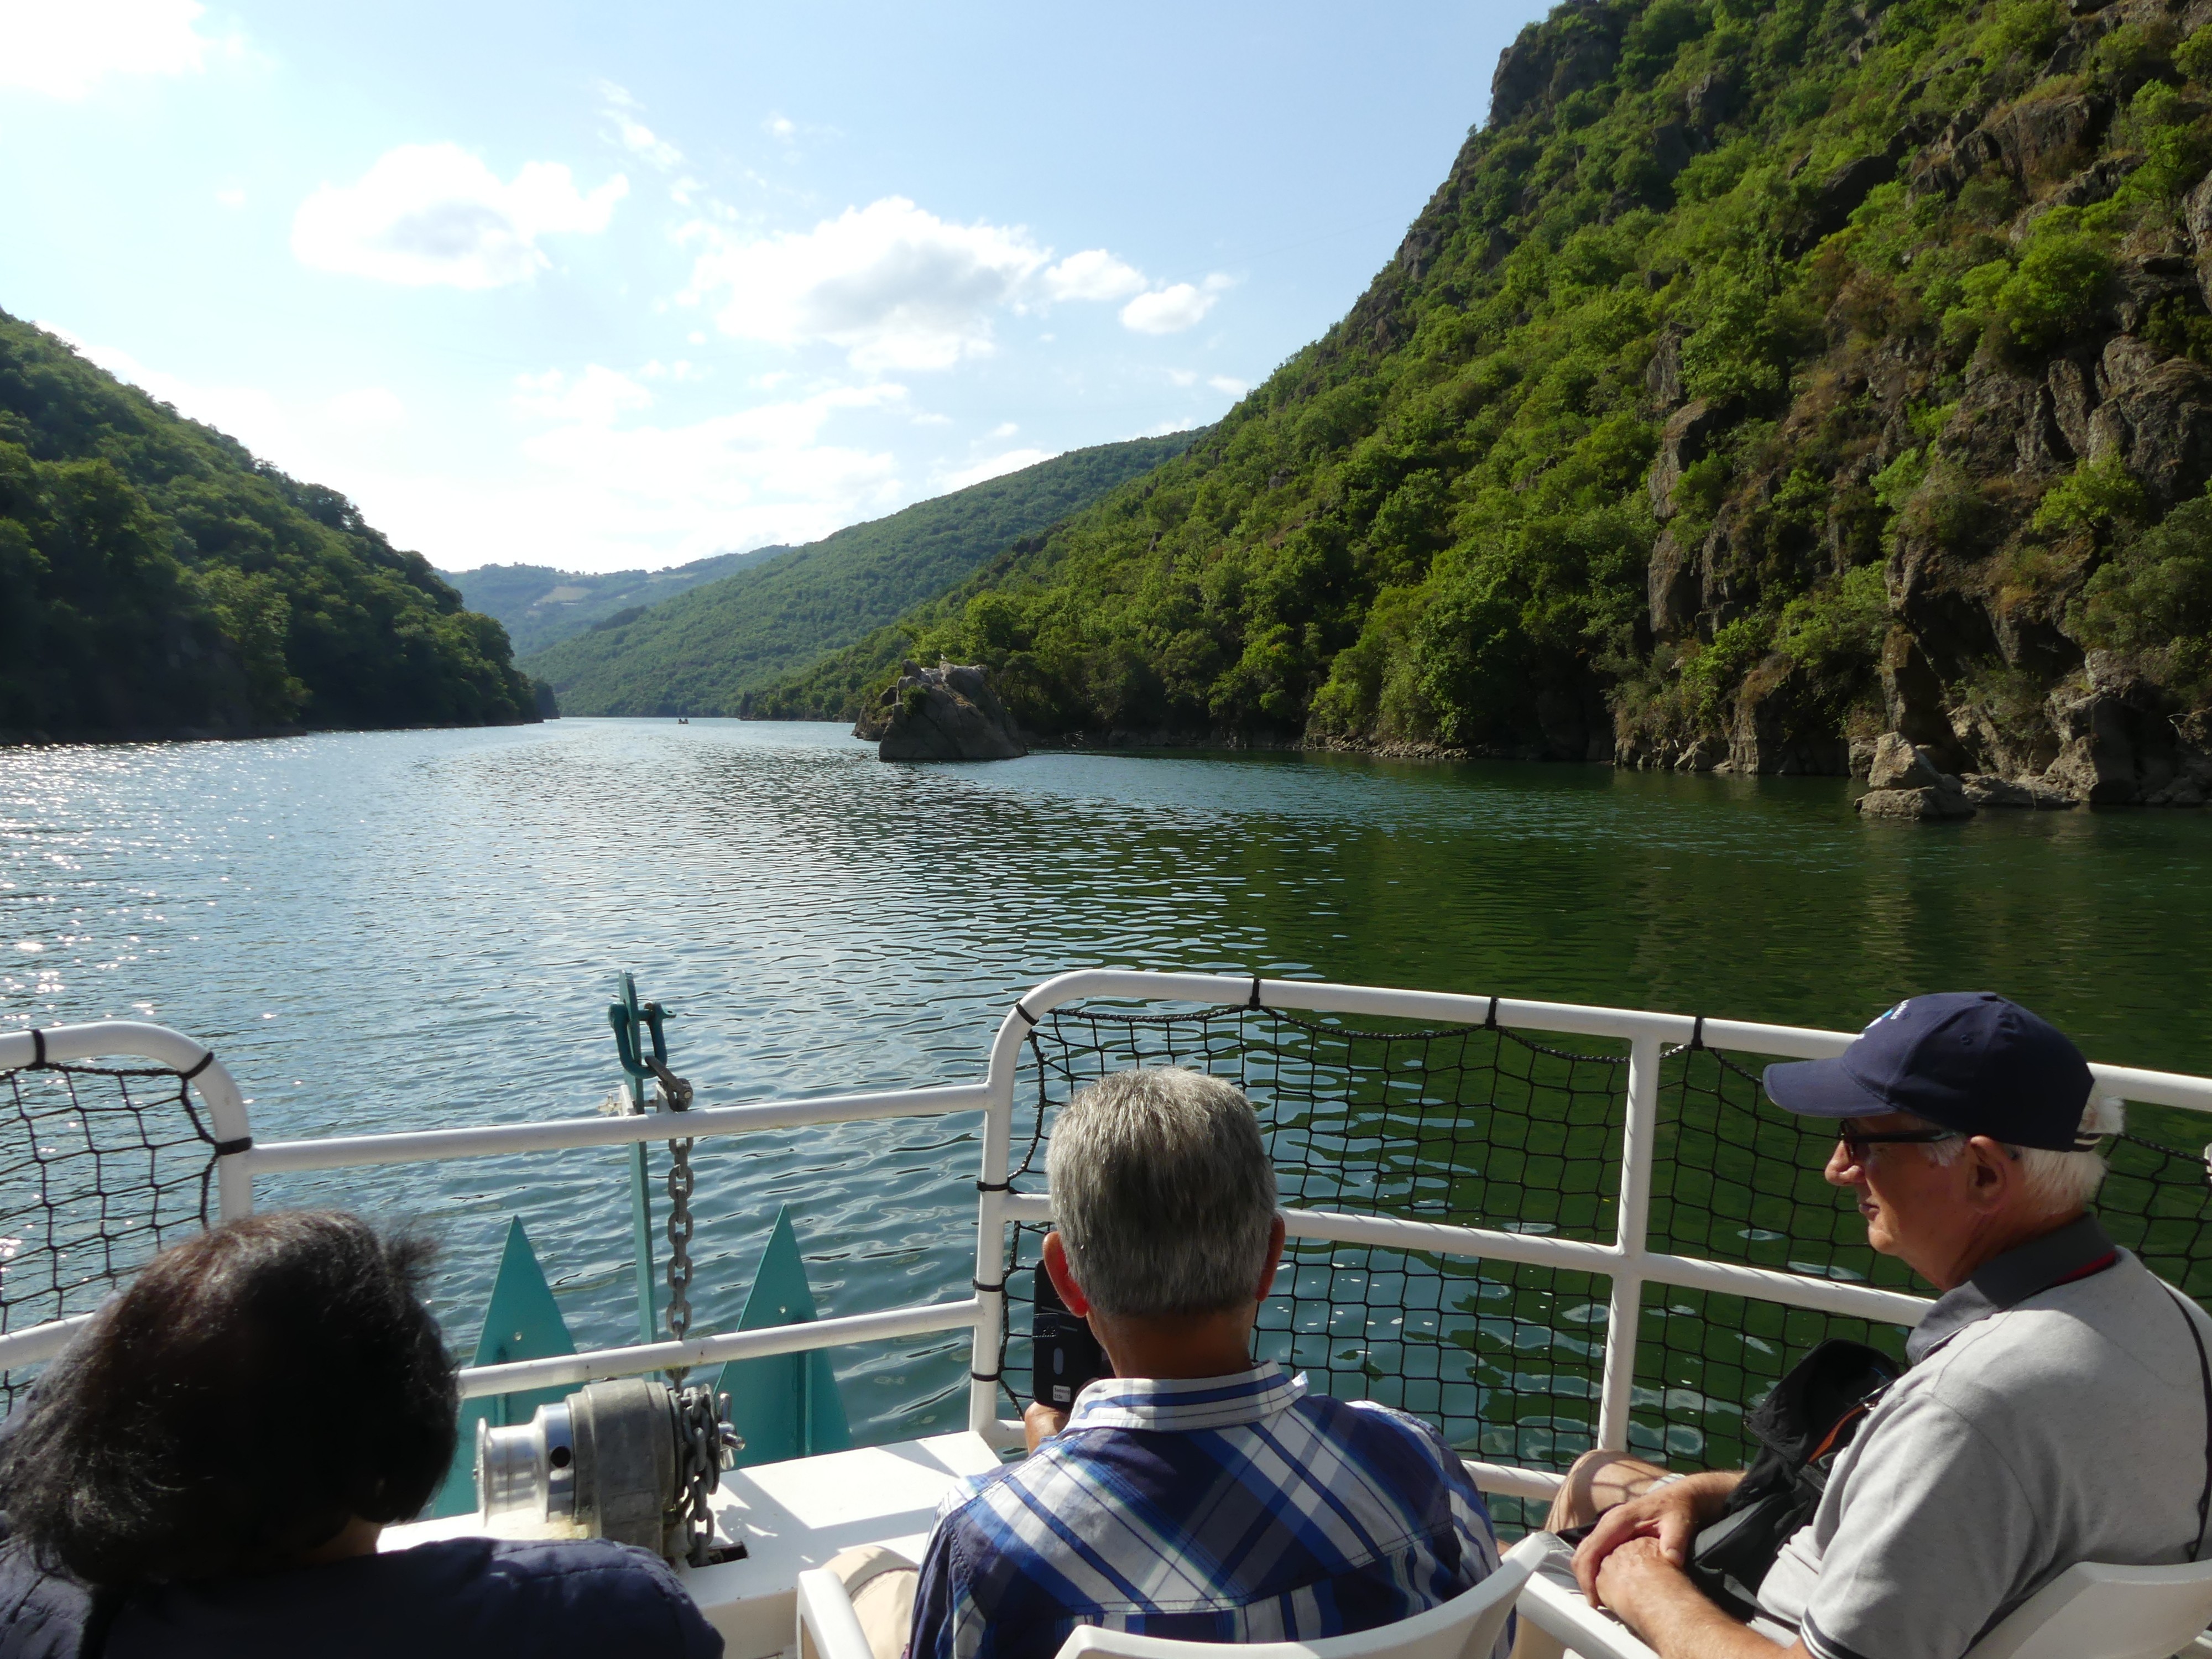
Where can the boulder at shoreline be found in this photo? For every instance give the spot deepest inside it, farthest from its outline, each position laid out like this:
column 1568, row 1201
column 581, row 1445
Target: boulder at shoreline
column 942, row 713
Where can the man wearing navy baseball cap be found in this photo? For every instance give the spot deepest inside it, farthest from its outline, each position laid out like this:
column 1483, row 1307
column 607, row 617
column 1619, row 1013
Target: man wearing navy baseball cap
column 2057, row 1406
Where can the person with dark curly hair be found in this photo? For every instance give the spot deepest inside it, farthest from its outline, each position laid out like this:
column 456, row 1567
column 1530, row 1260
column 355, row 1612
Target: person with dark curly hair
column 207, row 1470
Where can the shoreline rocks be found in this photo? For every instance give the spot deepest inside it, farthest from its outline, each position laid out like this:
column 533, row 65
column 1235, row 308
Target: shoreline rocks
column 948, row 713
column 1904, row 783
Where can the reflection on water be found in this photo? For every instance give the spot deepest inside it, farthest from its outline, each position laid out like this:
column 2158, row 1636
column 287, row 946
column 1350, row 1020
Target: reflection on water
column 413, row 928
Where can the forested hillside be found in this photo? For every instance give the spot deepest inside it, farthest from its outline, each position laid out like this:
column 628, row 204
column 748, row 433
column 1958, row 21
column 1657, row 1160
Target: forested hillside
column 709, row 651
column 1767, row 375
column 540, row 606
column 156, row 579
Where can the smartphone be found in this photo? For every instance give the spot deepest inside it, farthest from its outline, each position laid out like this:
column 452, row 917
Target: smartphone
column 1064, row 1355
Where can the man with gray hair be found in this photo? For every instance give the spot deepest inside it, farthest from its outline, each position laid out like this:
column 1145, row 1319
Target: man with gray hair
column 1193, row 1494
column 2058, row 1402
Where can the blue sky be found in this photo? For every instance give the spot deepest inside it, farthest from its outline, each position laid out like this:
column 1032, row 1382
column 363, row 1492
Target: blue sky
column 608, row 286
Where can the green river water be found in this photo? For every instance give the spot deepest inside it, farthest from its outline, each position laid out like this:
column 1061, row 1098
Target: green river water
column 410, row 929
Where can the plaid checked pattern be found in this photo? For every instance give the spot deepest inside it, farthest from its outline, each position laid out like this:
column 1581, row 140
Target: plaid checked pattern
column 1228, row 1509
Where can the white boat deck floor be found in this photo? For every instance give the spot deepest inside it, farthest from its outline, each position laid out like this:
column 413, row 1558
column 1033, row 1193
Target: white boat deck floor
column 791, row 1517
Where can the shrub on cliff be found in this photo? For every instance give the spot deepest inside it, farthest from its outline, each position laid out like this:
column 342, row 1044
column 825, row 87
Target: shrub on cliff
column 2153, row 602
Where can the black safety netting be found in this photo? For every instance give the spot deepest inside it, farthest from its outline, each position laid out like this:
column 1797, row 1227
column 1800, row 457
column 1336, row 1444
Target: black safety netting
column 100, row 1167
column 1486, row 1127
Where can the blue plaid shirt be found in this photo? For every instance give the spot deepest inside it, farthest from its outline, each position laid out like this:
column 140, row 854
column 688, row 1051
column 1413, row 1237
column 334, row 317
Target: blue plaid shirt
column 1225, row 1508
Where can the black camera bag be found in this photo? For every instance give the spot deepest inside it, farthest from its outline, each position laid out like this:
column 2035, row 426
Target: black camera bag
column 1800, row 1428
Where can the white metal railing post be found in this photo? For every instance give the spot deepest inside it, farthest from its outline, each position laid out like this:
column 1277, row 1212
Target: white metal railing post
column 1626, row 1308
column 987, row 1355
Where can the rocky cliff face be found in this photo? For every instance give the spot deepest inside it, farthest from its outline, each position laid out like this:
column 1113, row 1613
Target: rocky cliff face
column 1766, row 378
column 1979, row 667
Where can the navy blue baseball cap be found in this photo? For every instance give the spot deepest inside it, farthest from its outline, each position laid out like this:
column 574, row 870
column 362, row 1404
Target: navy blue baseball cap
column 1969, row 1061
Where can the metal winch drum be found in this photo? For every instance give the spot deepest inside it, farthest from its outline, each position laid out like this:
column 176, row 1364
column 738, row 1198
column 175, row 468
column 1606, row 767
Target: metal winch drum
column 633, row 1461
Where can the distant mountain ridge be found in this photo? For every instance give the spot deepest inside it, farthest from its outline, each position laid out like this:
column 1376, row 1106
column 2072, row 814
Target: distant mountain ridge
column 711, row 649
column 540, row 606
column 157, row 581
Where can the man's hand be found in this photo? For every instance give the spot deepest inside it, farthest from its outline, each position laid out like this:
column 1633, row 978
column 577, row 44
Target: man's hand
column 1041, row 1422
column 1656, row 1599
column 1633, row 1574
column 1669, row 1515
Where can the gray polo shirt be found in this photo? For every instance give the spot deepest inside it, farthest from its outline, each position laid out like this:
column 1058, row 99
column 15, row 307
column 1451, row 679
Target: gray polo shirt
column 2054, row 1412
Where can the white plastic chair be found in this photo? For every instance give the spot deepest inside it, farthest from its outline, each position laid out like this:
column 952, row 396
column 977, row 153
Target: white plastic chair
column 2090, row 1610
column 1464, row 1627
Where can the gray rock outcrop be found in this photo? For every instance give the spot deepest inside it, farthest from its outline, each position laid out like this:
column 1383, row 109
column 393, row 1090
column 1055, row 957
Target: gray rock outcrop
column 948, row 713
column 1904, row 783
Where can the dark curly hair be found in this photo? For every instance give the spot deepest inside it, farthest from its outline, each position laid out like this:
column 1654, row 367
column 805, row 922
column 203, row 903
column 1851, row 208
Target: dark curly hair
column 257, row 1387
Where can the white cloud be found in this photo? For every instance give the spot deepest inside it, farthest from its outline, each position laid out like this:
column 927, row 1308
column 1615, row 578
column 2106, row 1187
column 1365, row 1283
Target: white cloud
column 1183, row 376
column 634, row 135
column 640, row 140
column 782, row 127
column 233, row 196
column 1227, row 386
column 1170, row 310
column 998, row 466
column 1005, row 429
column 64, row 48
column 431, row 215
column 367, row 406
column 607, row 490
column 594, row 398
column 1093, row 274
column 895, row 286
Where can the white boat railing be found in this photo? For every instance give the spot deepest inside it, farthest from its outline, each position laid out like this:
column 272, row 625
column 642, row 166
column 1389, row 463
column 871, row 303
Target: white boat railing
column 1627, row 1262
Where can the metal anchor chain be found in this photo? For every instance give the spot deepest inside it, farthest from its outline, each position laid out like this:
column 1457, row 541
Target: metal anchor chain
column 675, row 1096
column 708, row 1445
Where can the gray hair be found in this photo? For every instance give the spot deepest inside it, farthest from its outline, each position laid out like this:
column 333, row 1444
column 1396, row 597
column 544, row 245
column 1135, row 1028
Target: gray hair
column 1162, row 1193
column 2056, row 1182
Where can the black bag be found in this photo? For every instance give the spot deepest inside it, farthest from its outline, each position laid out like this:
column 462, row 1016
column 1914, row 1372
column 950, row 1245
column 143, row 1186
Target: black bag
column 1800, row 1427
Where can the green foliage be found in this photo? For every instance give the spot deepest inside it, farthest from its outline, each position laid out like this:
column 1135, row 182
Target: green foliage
column 1837, row 630
column 2153, row 601
column 2058, row 285
column 2135, row 52
column 1712, row 674
column 154, row 578
column 2193, row 56
column 712, row 649
column 2179, row 326
column 2096, row 496
column 1895, row 482
column 2174, row 140
column 2023, row 30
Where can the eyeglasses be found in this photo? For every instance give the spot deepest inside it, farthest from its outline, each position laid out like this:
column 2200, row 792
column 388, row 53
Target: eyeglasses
column 1855, row 1142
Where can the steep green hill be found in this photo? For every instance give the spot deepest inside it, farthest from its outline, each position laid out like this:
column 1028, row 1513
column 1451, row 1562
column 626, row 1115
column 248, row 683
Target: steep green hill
column 540, row 606
column 1765, row 375
column 705, row 652
column 156, row 579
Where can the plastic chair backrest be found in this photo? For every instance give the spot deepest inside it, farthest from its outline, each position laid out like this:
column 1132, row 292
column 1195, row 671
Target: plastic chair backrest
column 2092, row 1611
column 1464, row 1627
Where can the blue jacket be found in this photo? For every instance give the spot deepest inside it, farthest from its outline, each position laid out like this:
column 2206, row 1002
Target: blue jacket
column 461, row 1598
